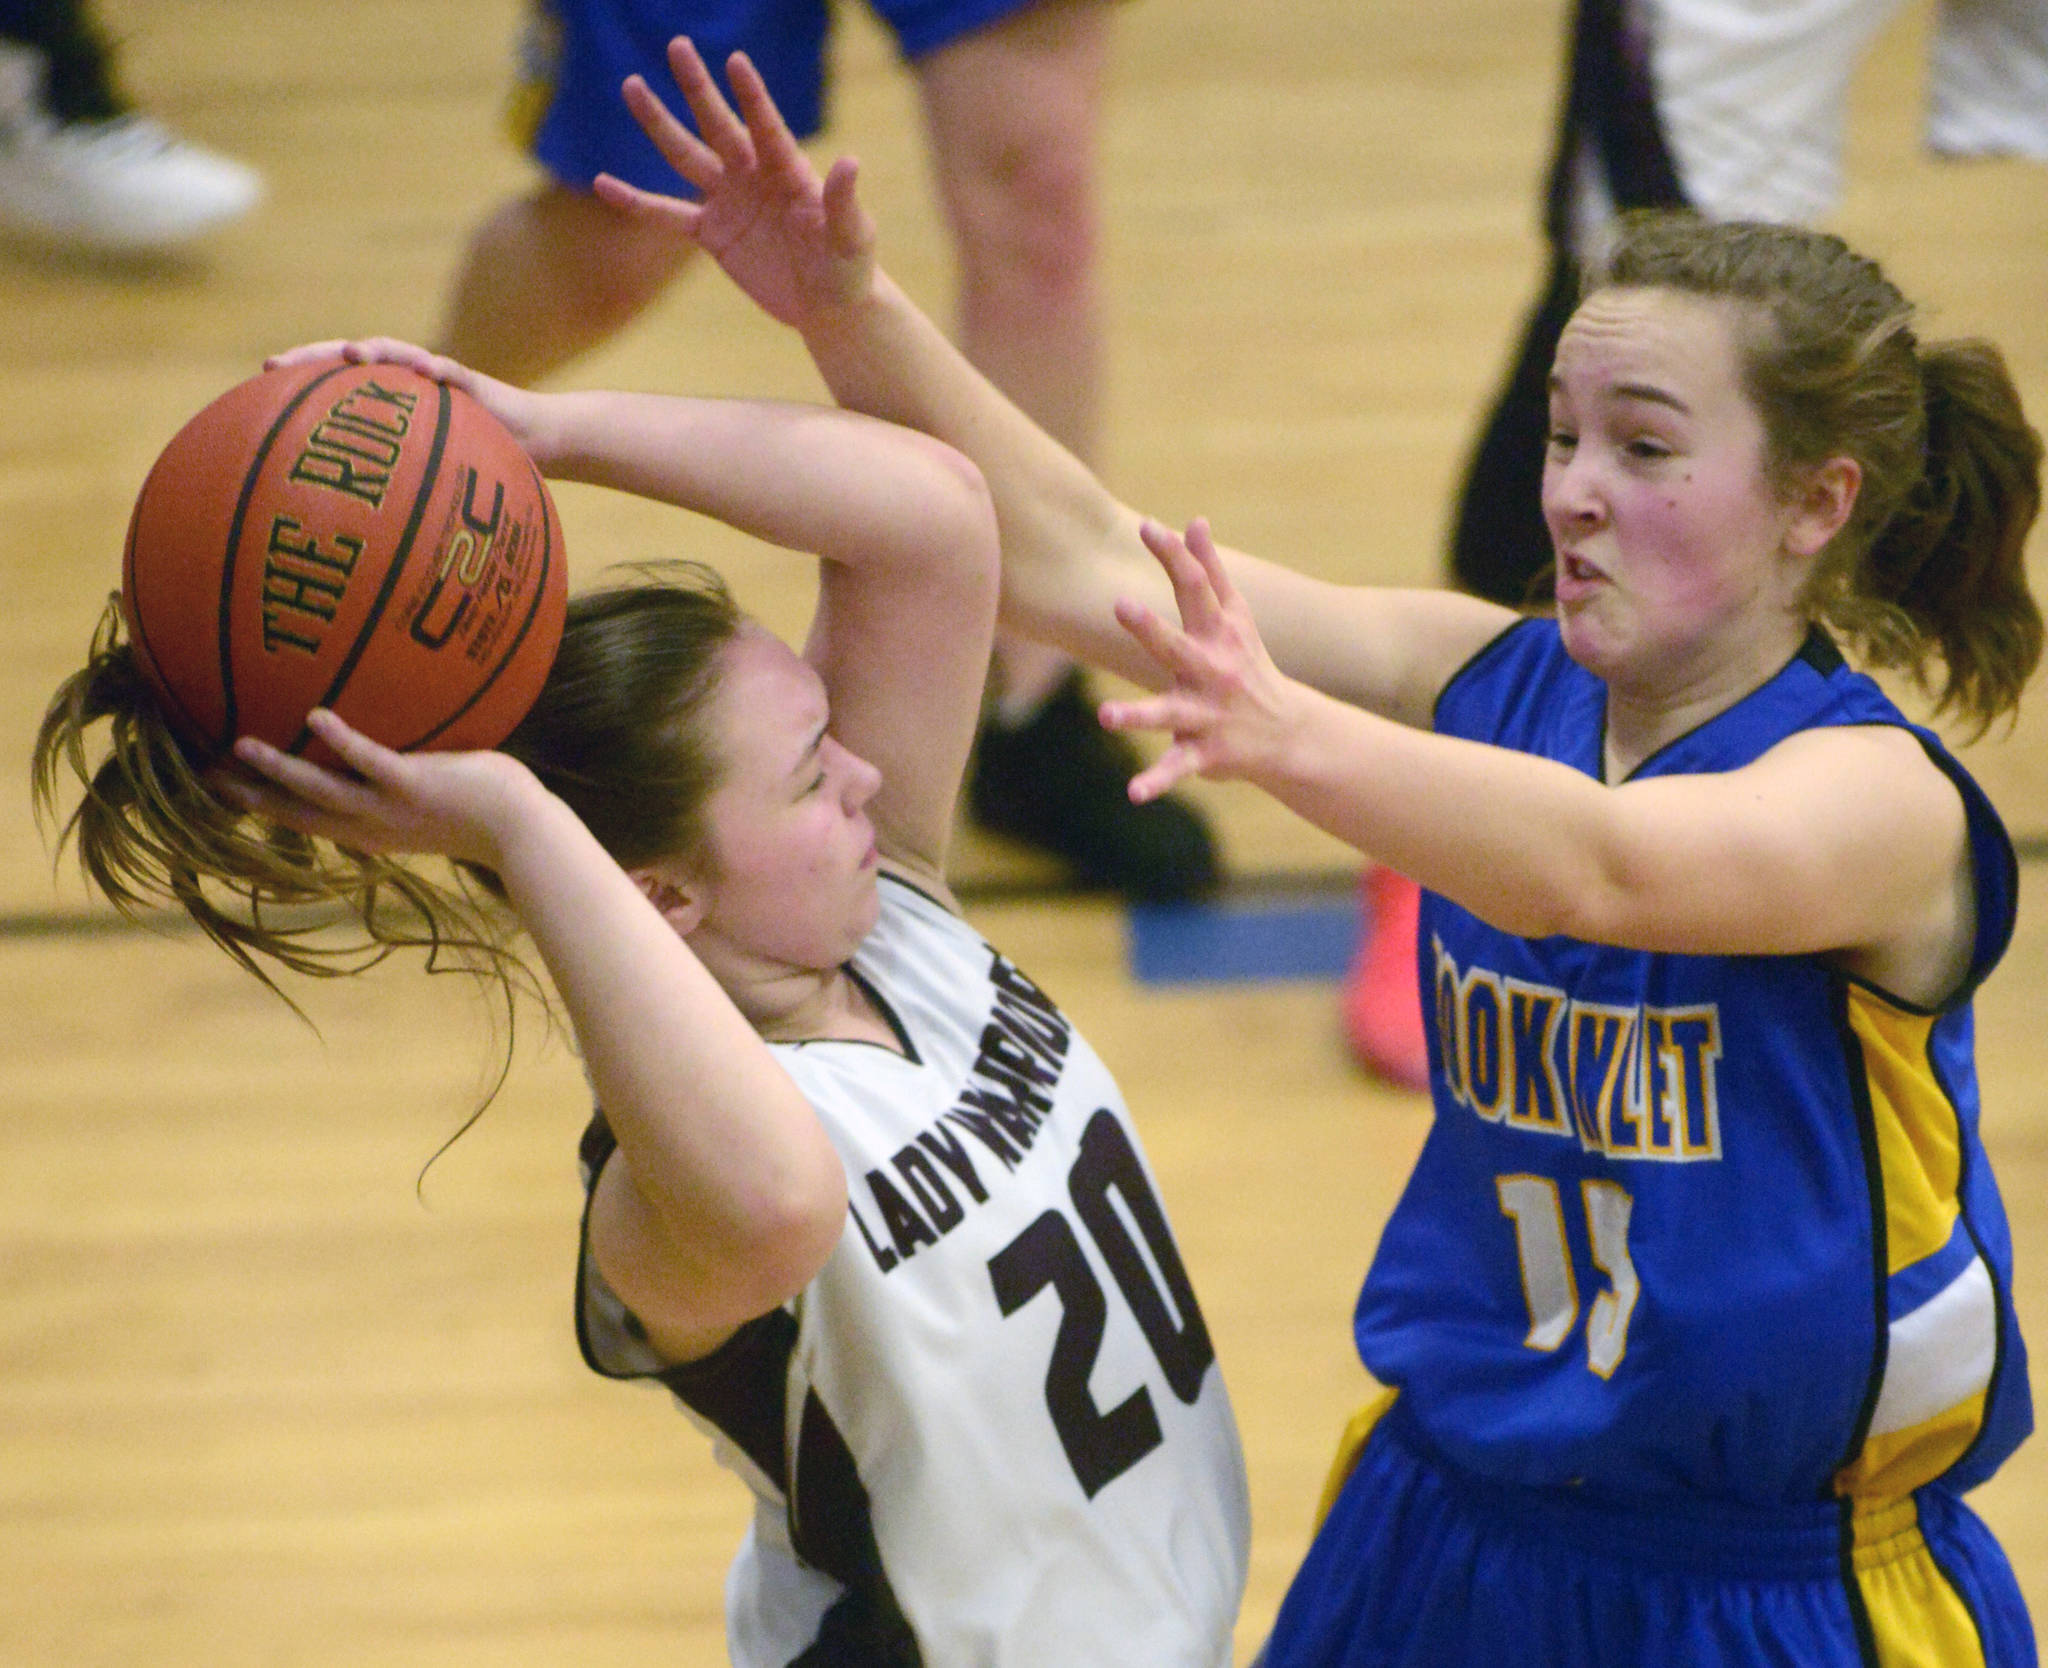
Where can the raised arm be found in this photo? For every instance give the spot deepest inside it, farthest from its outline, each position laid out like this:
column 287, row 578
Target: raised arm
column 726, row 1196
column 802, row 248
column 1845, row 842
column 906, row 542
column 900, row 523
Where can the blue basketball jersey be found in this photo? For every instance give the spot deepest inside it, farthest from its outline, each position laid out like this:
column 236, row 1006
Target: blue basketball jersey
column 1697, row 1225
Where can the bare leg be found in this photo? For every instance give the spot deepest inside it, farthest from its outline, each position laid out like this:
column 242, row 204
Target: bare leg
column 1013, row 112
column 548, row 277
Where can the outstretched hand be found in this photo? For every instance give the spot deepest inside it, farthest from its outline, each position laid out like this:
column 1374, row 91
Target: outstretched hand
column 794, row 243
column 516, row 408
column 1226, row 712
column 459, row 805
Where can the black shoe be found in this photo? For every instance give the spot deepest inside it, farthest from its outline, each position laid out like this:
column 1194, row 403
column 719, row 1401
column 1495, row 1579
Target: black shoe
column 1059, row 783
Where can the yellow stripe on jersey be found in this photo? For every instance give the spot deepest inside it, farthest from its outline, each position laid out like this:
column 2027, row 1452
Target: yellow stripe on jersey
column 526, row 107
column 1357, row 1431
column 535, row 80
column 1918, row 1142
column 1917, row 1618
column 1939, row 1356
column 1904, row 1459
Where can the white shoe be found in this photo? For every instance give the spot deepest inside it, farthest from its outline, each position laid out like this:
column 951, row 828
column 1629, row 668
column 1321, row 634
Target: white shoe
column 123, row 184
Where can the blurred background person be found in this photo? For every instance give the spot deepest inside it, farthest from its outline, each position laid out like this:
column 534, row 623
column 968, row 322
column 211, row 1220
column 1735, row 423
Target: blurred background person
column 1011, row 95
column 79, row 167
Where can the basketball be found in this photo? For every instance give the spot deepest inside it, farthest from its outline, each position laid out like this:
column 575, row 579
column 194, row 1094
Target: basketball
column 358, row 537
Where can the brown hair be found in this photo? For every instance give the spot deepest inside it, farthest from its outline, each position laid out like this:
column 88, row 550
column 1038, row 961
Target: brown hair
column 614, row 733
column 150, row 832
column 1931, row 561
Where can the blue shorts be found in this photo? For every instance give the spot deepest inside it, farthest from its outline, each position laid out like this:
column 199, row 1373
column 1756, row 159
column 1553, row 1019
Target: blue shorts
column 573, row 55
column 1419, row 1563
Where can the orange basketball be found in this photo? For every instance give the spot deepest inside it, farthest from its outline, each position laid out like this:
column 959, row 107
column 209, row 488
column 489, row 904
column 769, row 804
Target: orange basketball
column 357, row 537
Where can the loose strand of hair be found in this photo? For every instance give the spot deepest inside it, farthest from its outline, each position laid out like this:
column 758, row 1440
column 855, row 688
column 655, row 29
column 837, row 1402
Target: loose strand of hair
column 151, row 836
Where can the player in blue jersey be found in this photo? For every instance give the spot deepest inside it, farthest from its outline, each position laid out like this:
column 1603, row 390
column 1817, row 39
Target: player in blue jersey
column 859, row 1195
column 1695, row 1317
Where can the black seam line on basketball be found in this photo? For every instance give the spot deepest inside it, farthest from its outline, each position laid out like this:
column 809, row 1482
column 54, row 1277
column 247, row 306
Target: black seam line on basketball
column 356, row 650
column 193, row 732
column 227, row 573
column 540, row 592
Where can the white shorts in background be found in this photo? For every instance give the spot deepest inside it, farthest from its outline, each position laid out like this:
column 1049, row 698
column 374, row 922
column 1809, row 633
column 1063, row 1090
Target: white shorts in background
column 1752, row 94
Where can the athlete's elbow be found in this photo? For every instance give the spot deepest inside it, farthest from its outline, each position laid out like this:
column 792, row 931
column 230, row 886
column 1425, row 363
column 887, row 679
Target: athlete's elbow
column 791, row 1230
column 1577, row 902
column 766, row 1237
column 959, row 506
column 959, row 519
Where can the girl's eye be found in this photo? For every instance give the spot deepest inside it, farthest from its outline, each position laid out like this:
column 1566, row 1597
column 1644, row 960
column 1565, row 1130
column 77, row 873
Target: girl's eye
column 1562, row 440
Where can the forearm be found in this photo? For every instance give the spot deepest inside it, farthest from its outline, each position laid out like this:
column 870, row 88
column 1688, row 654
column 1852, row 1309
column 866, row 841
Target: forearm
column 1071, row 548
column 1069, row 545
column 1523, row 842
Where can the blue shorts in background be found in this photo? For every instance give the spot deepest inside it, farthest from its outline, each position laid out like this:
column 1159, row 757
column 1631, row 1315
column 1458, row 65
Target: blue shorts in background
column 574, row 54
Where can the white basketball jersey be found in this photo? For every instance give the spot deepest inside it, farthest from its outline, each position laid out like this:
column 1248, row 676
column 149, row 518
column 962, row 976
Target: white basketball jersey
column 991, row 1432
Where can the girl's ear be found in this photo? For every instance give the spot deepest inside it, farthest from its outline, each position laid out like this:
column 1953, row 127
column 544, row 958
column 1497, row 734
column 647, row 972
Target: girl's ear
column 1822, row 509
column 681, row 899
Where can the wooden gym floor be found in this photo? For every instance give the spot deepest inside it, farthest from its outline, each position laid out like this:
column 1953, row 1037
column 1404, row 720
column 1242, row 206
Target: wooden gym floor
column 263, row 1400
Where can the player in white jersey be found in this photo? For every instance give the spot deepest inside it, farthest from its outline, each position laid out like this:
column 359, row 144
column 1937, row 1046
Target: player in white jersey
column 991, row 1423
column 857, row 1192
